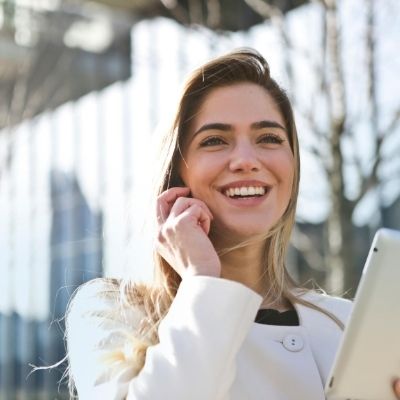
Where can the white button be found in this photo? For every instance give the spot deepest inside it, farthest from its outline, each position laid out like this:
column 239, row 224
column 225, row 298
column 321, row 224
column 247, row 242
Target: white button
column 293, row 342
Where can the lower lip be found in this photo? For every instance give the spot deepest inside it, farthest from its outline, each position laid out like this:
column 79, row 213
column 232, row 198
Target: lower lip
column 245, row 201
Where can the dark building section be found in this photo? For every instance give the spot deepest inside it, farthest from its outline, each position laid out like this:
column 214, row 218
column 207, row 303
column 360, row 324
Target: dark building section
column 76, row 241
column 20, row 346
column 8, row 347
column 224, row 15
column 76, row 257
column 51, row 69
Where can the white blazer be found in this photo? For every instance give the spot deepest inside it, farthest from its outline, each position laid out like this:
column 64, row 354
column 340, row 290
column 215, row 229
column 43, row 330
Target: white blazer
column 210, row 347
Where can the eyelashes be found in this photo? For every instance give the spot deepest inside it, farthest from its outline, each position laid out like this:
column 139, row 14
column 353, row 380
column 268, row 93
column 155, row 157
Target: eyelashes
column 268, row 138
column 212, row 141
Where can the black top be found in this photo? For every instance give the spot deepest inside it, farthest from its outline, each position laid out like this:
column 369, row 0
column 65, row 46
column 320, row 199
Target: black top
column 273, row 317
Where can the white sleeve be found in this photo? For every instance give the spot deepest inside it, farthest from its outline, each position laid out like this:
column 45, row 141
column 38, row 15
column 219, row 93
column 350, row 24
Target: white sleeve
column 195, row 359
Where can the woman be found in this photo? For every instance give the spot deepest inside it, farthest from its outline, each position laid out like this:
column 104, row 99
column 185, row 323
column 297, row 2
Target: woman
column 225, row 209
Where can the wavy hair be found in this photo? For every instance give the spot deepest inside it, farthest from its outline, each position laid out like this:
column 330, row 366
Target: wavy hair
column 244, row 65
column 239, row 66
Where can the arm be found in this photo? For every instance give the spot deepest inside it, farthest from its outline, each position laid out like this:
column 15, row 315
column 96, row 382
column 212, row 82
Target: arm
column 199, row 339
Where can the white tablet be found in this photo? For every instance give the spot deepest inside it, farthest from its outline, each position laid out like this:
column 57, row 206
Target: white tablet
column 368, row 357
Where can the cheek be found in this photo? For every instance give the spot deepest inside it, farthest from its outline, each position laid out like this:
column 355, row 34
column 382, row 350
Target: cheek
column 282, row 164
column 200, row 183
column 200, row 172
column 194, row 179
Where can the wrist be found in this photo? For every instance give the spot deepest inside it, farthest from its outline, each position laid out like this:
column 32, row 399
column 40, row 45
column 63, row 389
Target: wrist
column 204, row 270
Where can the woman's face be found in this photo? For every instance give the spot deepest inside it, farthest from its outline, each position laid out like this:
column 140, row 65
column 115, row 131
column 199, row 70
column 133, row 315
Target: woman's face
column 237, row 159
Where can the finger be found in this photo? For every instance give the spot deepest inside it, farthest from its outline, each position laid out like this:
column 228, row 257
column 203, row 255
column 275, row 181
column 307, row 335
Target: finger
column 197, row 214
column 184, row 203
column 205, row 224
column 166, row 200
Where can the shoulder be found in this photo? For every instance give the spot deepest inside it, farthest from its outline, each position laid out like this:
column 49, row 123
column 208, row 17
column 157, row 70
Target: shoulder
column 338, row 306
column 101, row 302
column 104, row 333
column 322, row 298
column 100, row 293
column 97, row 289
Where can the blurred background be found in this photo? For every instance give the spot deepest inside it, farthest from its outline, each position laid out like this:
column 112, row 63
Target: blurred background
column 85, row 87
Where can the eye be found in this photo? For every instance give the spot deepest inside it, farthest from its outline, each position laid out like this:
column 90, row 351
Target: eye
column 270, row 138
column 212, row 141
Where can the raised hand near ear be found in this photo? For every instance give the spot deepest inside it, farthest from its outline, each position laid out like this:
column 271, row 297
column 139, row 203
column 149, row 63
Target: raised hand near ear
column 182, row 239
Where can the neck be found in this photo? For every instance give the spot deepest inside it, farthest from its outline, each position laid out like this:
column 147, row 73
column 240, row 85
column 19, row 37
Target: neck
column 245, row 265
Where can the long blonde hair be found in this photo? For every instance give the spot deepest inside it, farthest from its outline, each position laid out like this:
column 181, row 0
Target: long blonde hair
column 244, row 65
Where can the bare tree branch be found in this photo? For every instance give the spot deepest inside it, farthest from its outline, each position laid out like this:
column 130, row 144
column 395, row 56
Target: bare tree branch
column 316, row 148
column 331, row 85
column 273, row 13
column 371, row 179
column 277, row 18
column 371, row 69
column 356, row 160
column 392, row 125
column 394, row 153
column 337, row 89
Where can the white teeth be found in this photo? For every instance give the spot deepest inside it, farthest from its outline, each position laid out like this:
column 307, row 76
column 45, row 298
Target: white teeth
column 260, row 190
column 245, row 191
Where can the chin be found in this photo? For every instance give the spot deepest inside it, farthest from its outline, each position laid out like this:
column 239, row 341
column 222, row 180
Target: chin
column 234, row 234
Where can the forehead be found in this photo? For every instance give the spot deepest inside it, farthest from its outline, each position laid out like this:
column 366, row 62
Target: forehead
column 238, row 104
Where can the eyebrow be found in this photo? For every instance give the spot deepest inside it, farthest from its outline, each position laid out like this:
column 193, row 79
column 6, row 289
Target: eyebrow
column 227, row 127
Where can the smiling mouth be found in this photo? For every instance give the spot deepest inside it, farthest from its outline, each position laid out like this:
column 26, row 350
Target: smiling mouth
column 246, row 192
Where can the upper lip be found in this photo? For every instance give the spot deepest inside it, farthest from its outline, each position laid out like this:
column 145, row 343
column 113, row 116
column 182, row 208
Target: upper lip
column 244, row 183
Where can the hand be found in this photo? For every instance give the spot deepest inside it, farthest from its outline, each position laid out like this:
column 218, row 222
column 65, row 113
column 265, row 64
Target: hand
column 183, row 227
column 396, row 387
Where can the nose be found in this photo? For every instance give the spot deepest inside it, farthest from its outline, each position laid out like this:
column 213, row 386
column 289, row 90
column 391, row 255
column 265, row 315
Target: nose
column 244, row 158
